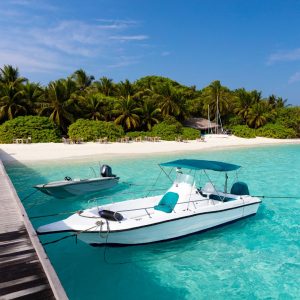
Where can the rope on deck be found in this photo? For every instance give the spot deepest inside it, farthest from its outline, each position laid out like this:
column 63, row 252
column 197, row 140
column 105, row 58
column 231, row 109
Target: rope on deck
column 277, row 197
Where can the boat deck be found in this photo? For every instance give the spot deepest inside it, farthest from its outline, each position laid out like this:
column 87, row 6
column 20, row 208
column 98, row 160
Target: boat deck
column 25, row 270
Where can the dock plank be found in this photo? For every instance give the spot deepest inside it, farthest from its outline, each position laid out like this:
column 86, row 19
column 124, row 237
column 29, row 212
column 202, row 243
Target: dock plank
column 25, row 270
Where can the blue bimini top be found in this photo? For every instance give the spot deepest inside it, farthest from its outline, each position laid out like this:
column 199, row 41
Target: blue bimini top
column 197, row 164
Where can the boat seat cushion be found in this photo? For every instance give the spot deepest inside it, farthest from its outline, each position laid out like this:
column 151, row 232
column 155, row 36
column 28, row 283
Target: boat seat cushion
column 167, row 202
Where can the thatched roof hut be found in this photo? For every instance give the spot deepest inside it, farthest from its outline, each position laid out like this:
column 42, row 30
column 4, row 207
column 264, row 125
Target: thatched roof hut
column 200, row 124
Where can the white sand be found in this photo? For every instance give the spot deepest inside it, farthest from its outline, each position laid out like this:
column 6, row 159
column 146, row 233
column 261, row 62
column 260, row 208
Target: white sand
column 54, row 151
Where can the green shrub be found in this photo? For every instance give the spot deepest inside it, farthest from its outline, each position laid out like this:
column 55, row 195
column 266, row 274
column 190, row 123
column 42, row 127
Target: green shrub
column 169, row 120
column 243, row 131
column 135, row 134
column 289, row 117
column 170, row 129
column 235, row 120
column 167, row 130
column 190, row 133
column 276, row 131
column 40, row 129
column 90, row 130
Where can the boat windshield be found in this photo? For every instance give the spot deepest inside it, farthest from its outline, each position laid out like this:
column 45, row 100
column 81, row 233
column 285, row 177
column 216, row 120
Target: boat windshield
column 184, row 178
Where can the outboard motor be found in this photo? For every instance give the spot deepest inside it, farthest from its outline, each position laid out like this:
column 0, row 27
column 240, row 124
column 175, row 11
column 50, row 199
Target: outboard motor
column 239, row 188
column 106, row 171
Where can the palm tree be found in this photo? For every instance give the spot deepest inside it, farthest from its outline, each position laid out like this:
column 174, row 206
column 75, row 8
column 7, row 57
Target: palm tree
column 125, row 89
column 59, row 101
column 243, row 103
column 10, row 75
column 12, row 102
column 149, row 115
column 126, row 112
column 34, row 96
column 258, row 114
column 168, row 99
column 256, row 95
column 95, row 107
column 105, row 86
column 218, row 98
column 276, row 102
column 82, row 80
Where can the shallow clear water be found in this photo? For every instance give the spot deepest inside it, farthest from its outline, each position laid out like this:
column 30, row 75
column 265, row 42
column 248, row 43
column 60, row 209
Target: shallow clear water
column 258, row 257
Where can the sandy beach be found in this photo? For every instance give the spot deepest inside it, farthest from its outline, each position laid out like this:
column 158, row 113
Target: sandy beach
column 54, row 151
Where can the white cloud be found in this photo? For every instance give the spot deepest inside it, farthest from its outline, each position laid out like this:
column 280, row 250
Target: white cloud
column 35, row 4
column 31, row 64
column 294, row 78
column 40, row 43
column 10, row 13
column 165, row 53
column 81, row 38
column 281, row 56
column 124, row 61
column 118, row 23
column 130, row 38
column 129, row 22
column 21, row 2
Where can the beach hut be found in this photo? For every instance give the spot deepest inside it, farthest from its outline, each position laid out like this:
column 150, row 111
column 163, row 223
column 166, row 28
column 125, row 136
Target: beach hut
column 203, row 125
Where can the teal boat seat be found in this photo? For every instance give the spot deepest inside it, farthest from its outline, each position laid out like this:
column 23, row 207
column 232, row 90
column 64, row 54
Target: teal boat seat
column 239, row 188
column 167, row 202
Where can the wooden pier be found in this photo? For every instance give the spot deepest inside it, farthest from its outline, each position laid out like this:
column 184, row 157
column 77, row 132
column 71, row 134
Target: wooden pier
column 25, row 270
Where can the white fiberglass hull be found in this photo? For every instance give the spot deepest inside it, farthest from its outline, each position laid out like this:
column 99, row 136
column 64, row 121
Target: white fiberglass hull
column 155, row 227
column 63, row 189
column 169, row 230
column 181, row 211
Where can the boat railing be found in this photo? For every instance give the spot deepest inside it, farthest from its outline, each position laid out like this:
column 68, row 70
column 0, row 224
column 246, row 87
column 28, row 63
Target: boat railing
column 152, row 207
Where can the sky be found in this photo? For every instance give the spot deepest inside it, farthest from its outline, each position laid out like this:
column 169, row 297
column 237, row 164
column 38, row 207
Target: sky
column 252, row 44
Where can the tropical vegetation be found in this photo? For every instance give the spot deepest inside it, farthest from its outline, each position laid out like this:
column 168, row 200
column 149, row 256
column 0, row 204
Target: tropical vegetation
column 81, row 105
column 38, row 129
column 91, row 130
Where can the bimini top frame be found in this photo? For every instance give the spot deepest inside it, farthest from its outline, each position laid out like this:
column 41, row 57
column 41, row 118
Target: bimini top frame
column 197, row 164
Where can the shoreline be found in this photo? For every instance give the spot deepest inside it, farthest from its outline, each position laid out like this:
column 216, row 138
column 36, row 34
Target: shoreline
column 54, row 151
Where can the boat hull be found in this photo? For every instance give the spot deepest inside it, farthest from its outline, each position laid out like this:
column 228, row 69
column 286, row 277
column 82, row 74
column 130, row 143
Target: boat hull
column 76, row 188
column 171, row 229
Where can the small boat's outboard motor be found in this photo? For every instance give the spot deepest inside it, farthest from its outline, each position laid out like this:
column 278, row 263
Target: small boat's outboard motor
column 106, row 171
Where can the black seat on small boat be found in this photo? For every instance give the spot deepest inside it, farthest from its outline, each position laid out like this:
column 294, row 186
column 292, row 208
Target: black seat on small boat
column 239, row 188
column 220, row 198
column 110, row 215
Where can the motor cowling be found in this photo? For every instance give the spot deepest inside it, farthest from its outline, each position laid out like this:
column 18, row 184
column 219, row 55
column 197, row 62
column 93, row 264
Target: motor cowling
column 240, row 188
column 106, row 171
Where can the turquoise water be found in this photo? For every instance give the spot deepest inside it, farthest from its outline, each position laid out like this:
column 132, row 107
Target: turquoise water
column 256, row 258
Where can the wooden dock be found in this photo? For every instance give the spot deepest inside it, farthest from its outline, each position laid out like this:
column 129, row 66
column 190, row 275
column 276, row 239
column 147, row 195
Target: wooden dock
column 25, row 270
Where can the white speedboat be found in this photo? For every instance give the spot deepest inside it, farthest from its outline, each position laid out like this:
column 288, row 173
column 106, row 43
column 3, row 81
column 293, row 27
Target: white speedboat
column 73, row 187
column 182, row 210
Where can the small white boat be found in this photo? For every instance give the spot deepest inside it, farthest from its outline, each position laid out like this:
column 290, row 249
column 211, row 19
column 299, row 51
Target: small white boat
column 74, row 187
column 182, row 210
